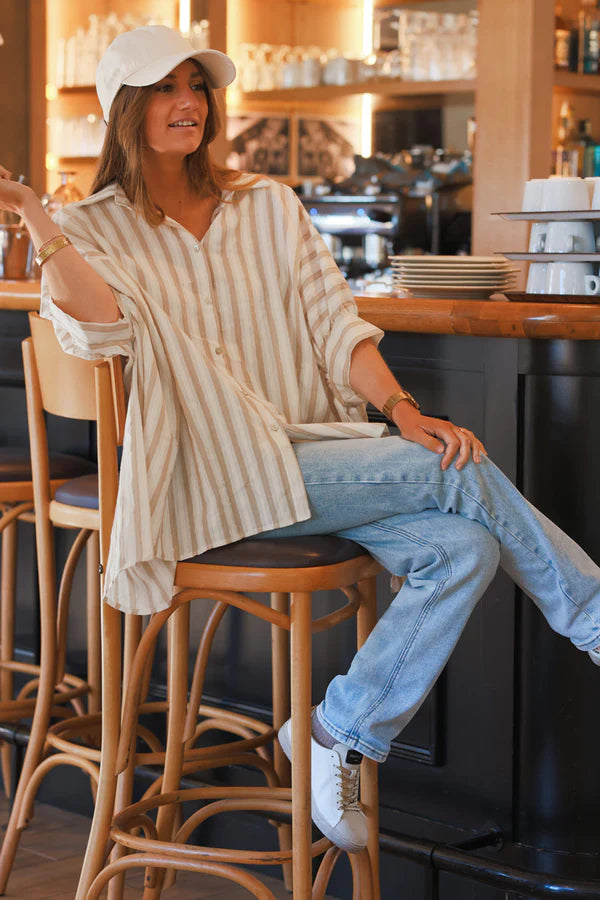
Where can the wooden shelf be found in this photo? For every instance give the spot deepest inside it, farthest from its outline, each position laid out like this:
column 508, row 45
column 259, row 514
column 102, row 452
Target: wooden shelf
column 391, row 87
column 78, row 89
column 574, row 83
column 77, row 159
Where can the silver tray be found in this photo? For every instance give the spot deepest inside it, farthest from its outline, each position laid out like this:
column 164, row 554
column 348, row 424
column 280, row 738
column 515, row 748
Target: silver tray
column 572, row 215
column 553, row 257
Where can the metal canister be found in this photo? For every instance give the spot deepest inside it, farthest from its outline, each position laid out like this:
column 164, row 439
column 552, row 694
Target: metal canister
column 16, row 253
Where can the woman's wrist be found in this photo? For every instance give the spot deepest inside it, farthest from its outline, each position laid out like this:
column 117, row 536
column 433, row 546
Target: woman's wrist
column 404, row 413
column 28, row 202
column 38, row 222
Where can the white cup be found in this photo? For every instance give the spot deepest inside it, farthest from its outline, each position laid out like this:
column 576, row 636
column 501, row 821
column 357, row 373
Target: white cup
column 591, row 182
column 572, row 278
column 311, row 72
column 596, row 195
column 537, row 279
column 291, row 74
column 561, row 194
column 340, row 70
column 533, row 195
column 570, row 237
column 537, row 237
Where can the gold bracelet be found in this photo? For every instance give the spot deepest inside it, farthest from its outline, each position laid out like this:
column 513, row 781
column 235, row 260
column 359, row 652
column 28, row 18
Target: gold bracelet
column 396, row 397
column 49, row 247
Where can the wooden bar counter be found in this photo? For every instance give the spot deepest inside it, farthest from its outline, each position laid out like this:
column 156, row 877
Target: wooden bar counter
column 479, row 318
column 23, row 294
column 482, row 318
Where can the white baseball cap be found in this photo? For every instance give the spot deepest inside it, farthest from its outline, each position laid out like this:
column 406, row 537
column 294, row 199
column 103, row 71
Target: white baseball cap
column 145, row 55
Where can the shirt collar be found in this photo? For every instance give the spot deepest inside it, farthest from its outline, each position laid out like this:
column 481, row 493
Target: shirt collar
column 115, row 190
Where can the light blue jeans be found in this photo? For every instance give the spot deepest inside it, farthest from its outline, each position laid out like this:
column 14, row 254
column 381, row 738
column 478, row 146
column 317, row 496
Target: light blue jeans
column 446, row 533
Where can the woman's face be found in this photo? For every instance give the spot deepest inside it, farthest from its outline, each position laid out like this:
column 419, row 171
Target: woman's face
column 176, row 112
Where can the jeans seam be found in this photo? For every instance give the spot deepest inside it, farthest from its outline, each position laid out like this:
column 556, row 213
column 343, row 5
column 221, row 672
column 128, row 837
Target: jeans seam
column 491, row 515
column 357, row 742
column 376, row 703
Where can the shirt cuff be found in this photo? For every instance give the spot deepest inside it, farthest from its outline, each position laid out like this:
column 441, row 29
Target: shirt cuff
column 89, row 340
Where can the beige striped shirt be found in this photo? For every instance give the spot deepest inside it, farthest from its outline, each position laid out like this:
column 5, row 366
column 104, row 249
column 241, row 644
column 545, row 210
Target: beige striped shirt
column 237, row 345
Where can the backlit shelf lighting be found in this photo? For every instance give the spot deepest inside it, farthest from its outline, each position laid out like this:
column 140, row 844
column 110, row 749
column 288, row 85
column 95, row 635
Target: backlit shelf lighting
column 366, row 109
column 185, row 16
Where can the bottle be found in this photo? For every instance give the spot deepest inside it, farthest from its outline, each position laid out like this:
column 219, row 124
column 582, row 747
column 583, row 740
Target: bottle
column 68, row 192
column 568, row 149
column 587, row 146
column 589, row 38
column 562, row 37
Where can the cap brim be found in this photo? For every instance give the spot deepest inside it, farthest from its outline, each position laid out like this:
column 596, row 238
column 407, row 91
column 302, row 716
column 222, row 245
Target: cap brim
column 218, row 67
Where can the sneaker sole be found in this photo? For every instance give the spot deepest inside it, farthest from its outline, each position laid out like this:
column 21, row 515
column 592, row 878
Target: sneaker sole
column 284, row 738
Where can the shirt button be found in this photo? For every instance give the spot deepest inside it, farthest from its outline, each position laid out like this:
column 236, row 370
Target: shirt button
column 218, row 350
column 196, row 247
column 274, row 427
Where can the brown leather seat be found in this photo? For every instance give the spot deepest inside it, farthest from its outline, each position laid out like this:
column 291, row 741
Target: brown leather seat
column 281, row 553
column 15, row 465
column 82, row 491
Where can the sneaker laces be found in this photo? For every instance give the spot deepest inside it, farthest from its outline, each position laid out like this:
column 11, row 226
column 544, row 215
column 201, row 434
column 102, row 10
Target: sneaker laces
column 348, row 783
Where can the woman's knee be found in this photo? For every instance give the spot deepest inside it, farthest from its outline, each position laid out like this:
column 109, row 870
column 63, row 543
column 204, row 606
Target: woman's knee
column 476, row 551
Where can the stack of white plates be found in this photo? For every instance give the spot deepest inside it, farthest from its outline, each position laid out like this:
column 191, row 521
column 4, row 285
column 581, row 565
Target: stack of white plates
column 473, row 277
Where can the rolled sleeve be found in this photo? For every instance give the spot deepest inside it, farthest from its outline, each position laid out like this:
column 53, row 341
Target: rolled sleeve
column 91, row 340
column 331, row 312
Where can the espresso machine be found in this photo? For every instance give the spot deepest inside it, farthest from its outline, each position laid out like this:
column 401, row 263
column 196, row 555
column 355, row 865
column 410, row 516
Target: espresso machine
column 362, row 231
column 415, row 202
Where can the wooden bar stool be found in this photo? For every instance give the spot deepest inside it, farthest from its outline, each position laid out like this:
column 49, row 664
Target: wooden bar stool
column 64, row 385
column 293, row 567
column 16, row 504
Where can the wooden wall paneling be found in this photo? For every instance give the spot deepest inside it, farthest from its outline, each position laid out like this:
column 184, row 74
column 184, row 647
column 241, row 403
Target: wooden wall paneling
column 513, row 111
column 37, row 96
column 329, row 24
column 14, row 121
column 247, row 23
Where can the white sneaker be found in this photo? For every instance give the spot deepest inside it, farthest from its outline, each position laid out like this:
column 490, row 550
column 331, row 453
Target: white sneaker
column 335, row 780
column 594, row 655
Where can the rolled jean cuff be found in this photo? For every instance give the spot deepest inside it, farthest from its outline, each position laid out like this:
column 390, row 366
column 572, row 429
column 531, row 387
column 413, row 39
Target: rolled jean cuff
column 590, row 644
column 350, row 740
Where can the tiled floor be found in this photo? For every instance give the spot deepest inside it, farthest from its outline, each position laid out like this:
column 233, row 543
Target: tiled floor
column 50, row 855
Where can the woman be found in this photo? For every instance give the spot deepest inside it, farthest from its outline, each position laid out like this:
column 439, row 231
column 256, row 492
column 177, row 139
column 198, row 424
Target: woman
column 248, row 371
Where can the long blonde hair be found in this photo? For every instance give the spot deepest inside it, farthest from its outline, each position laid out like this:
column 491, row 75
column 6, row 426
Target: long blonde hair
column 120, row 159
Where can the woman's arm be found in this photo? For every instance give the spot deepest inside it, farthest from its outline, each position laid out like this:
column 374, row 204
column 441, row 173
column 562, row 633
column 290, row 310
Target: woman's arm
column 371, row 378
column 74, row 285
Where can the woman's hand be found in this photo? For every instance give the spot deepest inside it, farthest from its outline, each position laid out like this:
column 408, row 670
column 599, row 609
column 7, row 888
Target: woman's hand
column 438, row 435
column 12, row 194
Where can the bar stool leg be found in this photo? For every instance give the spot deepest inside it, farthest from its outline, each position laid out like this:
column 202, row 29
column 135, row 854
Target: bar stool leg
column 124, row 790
column 111, row 715
column 280, row 675
column 7, row 635
column 45, row 696
column 178, row 639
column 94, row 652
column 365, row 622
column 301, row 662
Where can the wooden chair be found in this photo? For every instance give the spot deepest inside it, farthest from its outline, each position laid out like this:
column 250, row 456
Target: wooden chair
column 64, row 385
column 290, row 571
column 53, row 685
column 16, row 504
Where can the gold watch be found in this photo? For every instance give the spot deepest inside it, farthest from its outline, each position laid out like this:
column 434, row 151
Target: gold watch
column 396, row 398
